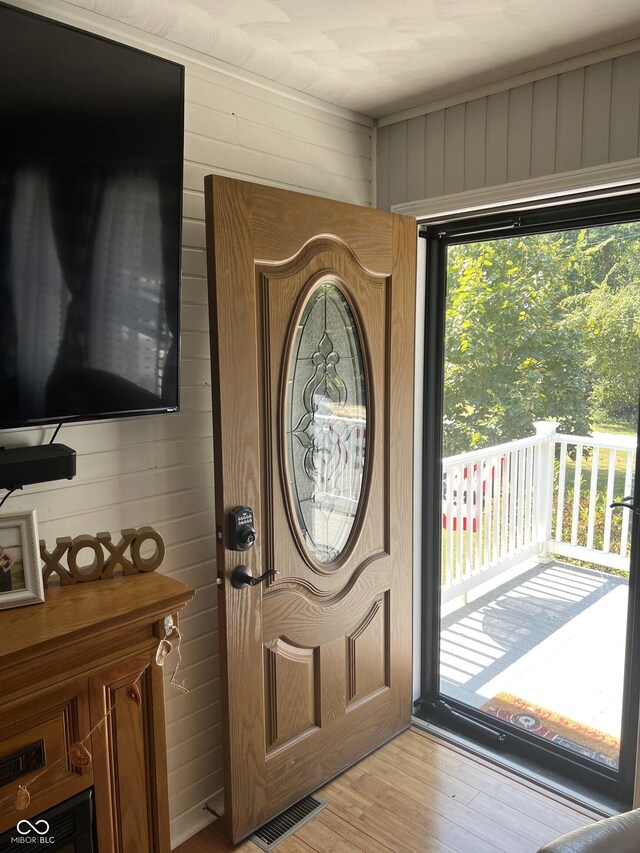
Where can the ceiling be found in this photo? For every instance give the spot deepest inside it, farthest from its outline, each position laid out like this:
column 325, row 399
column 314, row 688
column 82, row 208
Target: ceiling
column 380, row 56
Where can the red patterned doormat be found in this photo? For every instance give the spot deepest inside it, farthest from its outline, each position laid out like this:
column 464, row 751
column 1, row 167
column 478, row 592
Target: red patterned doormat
column 553, row 727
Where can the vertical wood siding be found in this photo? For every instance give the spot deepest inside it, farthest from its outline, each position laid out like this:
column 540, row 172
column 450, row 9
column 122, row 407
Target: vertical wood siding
column 158, row 470
column 585, row 117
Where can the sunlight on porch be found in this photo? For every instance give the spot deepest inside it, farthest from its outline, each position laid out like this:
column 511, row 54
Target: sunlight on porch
column 551, row 637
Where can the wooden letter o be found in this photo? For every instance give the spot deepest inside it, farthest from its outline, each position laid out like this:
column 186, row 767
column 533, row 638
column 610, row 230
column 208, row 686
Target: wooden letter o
column 92, row 571
column 149, row 564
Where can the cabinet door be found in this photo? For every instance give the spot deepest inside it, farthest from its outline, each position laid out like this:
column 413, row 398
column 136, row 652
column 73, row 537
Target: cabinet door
column 35, row 738
column 130, row 765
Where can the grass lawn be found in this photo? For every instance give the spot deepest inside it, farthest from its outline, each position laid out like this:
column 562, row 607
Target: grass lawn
column 626, row 429
column 603, row 473
column 615, row 428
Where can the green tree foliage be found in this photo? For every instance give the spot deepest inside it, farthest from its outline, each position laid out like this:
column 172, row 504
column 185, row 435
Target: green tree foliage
column 510, row 357
column 541, row 327
column 612, row 324
column 607, row 310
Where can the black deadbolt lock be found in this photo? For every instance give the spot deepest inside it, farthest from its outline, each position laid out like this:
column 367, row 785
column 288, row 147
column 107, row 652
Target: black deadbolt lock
column 242, row 529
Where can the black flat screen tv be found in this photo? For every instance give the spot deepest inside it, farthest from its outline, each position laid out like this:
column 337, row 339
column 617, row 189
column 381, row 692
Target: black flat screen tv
column 91, row 158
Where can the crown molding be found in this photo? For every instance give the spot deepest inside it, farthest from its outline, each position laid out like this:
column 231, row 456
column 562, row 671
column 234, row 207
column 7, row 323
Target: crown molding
column 504, row 85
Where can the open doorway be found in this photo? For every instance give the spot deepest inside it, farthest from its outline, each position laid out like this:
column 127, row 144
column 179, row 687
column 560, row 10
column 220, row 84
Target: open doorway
column 532, row 399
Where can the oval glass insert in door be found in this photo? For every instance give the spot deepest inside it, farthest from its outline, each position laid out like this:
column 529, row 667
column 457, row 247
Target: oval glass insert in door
column 325, row 423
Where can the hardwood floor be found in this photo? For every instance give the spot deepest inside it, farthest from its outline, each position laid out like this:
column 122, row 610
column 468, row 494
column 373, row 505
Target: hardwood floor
column 418, row 794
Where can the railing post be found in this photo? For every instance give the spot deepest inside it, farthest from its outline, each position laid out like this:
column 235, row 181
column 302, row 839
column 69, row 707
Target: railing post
column 543, row 485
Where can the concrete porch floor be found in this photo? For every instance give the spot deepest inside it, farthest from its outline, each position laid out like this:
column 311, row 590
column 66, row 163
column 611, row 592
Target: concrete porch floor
column 554, row 636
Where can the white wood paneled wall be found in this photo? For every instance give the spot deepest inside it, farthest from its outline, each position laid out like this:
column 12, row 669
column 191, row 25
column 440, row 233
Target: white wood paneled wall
column 158, row 470
column 583, row 117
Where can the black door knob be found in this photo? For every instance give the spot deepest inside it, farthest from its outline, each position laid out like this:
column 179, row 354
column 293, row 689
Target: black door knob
column 242, row 577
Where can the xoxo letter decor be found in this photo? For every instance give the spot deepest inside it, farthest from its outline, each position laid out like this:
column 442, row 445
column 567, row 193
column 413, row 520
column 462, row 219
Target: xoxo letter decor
column 104, row 555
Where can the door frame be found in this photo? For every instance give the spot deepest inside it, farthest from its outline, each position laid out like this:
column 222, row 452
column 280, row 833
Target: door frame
column 594, row 181
column 534, row 197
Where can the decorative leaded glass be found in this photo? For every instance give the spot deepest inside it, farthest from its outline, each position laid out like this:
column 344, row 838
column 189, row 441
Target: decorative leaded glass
column 326, row 422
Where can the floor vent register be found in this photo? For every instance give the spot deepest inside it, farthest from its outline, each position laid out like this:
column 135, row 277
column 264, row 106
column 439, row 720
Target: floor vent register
column 271, row 834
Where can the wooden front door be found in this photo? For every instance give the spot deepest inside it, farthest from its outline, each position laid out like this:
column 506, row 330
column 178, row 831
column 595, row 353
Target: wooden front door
column 312, row 325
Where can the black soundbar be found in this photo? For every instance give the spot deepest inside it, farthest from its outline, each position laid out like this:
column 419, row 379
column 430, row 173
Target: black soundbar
column 21, row 466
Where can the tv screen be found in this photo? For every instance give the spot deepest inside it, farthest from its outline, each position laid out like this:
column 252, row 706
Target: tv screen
column 91, row 153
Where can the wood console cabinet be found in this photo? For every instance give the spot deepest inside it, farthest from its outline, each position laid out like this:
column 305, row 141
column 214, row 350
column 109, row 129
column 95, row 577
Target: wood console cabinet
column 63, row 665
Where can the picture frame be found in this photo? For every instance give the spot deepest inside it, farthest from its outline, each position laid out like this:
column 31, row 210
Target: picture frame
column 20, row 575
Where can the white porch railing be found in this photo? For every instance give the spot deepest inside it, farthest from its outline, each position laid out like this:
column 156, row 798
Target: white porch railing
column 546, row 494
column 583, row 523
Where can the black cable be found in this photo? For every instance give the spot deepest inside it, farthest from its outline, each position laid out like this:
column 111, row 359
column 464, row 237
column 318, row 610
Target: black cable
column 208, row 808
column 8, row 495
column 53, row 437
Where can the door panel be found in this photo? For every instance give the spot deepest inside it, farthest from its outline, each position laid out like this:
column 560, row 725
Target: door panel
column 312, row 305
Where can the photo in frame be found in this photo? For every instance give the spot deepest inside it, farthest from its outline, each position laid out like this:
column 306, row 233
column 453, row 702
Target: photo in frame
column 20, row 575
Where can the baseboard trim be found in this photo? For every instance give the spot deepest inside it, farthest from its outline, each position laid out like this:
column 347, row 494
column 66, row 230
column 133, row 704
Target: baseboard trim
column 187, row 824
